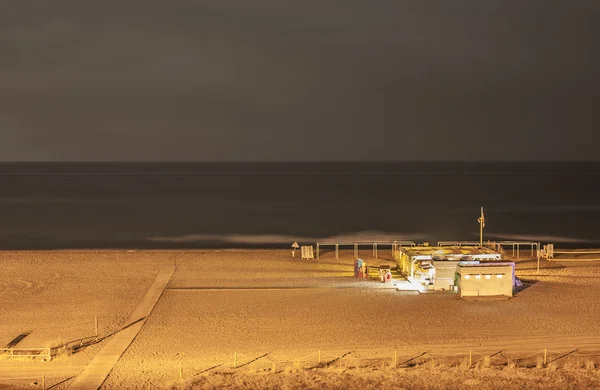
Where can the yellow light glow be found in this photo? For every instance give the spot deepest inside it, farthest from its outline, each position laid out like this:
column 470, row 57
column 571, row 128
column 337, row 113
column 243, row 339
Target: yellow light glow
column 467, row 276
column 477, row 276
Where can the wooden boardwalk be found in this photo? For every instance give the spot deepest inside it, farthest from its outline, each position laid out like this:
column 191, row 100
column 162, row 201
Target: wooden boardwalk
column 96, row 372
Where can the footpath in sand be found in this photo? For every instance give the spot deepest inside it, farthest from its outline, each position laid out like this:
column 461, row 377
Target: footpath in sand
column 96, row 372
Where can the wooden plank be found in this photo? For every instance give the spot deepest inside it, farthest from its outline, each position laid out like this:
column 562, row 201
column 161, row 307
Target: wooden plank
column 97, row 371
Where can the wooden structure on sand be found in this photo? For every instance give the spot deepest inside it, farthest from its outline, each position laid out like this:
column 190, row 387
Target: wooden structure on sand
column 394, row 245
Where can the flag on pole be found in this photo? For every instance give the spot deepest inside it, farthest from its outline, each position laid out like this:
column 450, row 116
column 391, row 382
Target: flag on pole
column 481, row 219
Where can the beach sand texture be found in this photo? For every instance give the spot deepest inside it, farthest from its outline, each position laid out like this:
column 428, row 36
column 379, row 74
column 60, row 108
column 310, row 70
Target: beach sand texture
column 248, row 303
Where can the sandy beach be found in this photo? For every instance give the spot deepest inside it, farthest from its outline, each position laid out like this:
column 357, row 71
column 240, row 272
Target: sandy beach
column 264, row 305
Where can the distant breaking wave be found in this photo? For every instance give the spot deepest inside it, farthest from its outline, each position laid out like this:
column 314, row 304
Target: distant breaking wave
column 536, row 238
column 257, row 239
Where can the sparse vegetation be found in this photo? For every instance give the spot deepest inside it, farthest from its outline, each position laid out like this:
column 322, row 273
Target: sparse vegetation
column 424, row 377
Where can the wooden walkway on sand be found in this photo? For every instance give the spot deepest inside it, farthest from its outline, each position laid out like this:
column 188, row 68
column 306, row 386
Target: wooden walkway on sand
column 96, row 372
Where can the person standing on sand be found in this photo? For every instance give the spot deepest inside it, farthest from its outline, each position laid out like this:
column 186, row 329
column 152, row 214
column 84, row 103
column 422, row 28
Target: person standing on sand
column 359, row 268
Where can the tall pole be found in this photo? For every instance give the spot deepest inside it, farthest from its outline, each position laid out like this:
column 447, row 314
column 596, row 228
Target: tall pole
column 481, row 221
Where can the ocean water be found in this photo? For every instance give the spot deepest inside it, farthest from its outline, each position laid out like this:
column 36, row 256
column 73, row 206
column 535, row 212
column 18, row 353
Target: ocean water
column 216, row 205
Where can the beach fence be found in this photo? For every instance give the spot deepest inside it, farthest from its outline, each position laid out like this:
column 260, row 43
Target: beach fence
column 389, row 358
column 575, row 255
column 395, row 245
column 398, row 358
column 516, row 247
column 374, row 244
column 46, row 353
column 499, row 246
column 458, row 243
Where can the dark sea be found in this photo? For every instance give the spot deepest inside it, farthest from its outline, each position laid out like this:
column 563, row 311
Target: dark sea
column 271, row 205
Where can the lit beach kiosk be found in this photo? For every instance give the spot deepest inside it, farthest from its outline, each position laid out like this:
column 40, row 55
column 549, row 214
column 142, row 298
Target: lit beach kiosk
column 435, row 267
column 486, row 279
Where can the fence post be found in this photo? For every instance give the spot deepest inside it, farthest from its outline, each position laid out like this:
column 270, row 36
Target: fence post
column 96, row 325
column 470, row 358
column 545, row 356
column 319, row 356
column 395, row 357
column 235, row 360
column 43, row 382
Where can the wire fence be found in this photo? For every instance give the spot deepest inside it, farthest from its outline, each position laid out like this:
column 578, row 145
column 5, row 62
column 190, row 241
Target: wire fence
column 356, row 359
column 403, row 359
column 393, row 359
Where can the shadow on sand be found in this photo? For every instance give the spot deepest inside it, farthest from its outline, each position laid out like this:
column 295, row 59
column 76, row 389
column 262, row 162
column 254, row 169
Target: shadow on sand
column 526, row 283
column 75, row 346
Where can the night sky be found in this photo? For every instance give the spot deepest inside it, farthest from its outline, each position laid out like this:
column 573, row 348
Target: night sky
column 299, row 80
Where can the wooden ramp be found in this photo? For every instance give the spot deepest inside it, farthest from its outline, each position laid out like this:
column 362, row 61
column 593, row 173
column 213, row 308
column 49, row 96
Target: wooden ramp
column 96, row 372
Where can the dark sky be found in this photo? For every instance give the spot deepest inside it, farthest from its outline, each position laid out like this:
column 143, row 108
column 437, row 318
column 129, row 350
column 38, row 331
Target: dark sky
column 299, row 80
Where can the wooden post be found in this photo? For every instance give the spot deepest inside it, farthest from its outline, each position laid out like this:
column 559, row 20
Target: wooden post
column 235, row 360
column 470, row 358
column 96, row 325
column 545, row 356
column 355, row 250
column 274, row 367
column 337, row 250
column 395, row 357
column 180, row 371
column 319, row 356
column 375, row 251
column 43, row 382
column 317, row 251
